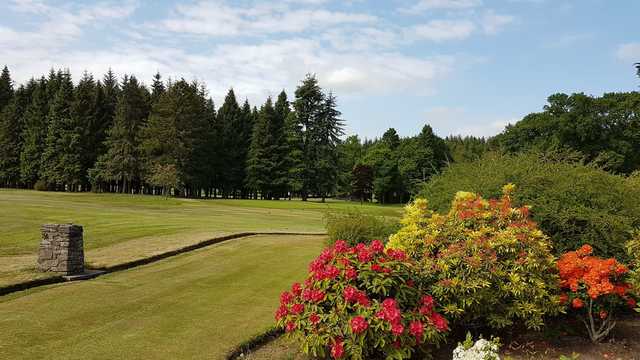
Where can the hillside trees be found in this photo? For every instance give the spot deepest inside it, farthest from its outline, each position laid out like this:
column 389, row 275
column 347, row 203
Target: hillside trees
column 605, row 130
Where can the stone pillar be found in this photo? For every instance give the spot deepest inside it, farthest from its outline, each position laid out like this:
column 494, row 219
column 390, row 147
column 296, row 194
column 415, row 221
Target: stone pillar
column 61, row 249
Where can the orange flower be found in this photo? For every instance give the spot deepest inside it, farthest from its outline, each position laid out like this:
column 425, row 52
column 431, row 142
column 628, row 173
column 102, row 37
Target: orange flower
column 577, row 303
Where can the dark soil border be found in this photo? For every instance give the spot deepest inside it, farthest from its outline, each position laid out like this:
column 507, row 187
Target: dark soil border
column 254, row 343
column 5, row 290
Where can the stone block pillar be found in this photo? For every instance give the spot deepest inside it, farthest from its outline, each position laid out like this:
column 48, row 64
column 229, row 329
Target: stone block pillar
column 61, row 249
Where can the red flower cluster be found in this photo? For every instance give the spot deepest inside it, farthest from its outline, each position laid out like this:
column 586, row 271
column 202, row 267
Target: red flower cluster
column 579, row 270
column 337, row 349
column 337, row 292
column 353, row 295
column 359, row 324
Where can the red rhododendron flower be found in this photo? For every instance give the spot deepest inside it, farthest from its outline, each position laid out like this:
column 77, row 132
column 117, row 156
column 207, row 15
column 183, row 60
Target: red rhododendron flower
column 350, row 294
column 286, row 297
column 376, row 268
column 577, row 303
column 297, row 309
column 350, row 273
column 282, row 312
column 363, row 300
column 290, row 326
column 416, row 328
column 337, row 349
column 364, row 256
column 397, row 254
column 341, row 247
column 314, row 318
column 359, row 324
column 439, row 322
column 377, row 246
column 631, row 302
column 296, row 289
column 397, row 328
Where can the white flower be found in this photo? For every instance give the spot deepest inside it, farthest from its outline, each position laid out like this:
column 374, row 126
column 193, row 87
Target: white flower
column 481, row 350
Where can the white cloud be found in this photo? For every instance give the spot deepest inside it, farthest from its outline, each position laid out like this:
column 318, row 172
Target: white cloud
column 424, row 5
column 440, row 30
column 629, row 52
column 493, row 23
column 220, row 19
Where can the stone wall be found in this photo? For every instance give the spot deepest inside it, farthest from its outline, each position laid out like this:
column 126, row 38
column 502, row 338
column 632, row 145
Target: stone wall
column 61, row 249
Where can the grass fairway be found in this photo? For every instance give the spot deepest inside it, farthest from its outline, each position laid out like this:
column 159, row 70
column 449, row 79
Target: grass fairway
column 197, row 305
column 121, row 228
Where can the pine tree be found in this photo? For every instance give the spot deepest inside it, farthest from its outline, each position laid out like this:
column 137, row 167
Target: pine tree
column 328, row 130
column 308, row 107
column 121, row 165
column 87, row 127
column 280, row 147
column 6, row 88
column 294, row 158
column 157, row 88
column 107, row 92
column 177, row 135
column 60, row 165
column 259, row 164
column 228, row 118
column 34, row 134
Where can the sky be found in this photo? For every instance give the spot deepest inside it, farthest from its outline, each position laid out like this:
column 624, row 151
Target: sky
column 465, row 67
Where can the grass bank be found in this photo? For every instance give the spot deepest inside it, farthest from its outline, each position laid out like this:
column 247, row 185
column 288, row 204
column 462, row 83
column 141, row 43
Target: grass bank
column 197, row 305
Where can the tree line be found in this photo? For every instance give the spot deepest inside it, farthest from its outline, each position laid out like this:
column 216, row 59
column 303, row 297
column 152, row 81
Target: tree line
column 115, row 135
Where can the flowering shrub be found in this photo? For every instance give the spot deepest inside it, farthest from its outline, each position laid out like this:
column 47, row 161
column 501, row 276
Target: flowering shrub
column 484, row 261
column 480, row 350
column 361, row 302
column 595, row 287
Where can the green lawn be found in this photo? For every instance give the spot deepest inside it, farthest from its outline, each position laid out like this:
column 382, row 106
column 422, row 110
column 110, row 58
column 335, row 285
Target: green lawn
column 196, row 305
column 120, row 228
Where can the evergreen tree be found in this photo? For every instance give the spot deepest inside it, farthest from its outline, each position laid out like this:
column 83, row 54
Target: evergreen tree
column 328, row 130
column 61, row 157
column 84, row 119
column 350, row 154
column 280, row 147
column 177, row 135
column 107, row 92
column 294, row 159
column 34, row 134
column 229, row 118
column 11, row 128
column 260, row 163
column 157, row 88
column 121, row 164
column 6, row 88
column 308, row 106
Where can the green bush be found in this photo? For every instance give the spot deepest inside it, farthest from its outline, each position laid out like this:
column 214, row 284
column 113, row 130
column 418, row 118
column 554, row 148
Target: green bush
column 40, row 185
column 573, row 204
column 354, row 226
column 485, row 261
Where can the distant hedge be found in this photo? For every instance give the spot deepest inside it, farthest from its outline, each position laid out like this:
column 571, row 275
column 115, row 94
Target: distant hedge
column 574, row 204
column 355, row 226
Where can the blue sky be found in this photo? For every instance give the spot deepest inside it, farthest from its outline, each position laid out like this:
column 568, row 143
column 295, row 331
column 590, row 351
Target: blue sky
column 463, row 66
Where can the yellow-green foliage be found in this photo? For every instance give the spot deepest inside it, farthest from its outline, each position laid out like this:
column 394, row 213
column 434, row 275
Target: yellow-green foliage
column 633, row 249
column 485, row 261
